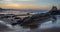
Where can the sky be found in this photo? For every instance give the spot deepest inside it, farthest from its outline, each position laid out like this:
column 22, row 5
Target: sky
column 29, row 4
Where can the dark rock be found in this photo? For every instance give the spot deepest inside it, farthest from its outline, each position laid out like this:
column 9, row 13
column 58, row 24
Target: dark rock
column 37, row 19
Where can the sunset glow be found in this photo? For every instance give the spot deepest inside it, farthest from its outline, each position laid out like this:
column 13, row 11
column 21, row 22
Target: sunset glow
column 29, row 4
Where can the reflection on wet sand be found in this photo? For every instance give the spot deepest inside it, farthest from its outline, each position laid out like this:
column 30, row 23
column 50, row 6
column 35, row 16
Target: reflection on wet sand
column 54, row 29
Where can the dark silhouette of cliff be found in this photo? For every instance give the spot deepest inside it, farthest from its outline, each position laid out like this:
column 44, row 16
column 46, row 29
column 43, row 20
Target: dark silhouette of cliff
column 54, row 8
column 54, row 11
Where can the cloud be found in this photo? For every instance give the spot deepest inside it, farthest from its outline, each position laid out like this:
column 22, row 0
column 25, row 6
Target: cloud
column 24, row 0
column 0, row 0
column 8, row 0
column 14, row 1
column 5, row 0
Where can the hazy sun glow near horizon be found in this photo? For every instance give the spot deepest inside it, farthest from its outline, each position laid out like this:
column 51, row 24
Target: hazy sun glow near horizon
column 29, row 4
